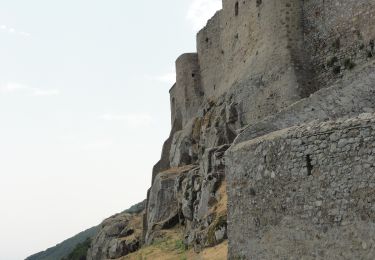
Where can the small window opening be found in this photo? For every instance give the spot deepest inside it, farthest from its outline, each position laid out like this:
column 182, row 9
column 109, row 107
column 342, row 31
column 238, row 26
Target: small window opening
column 309, row 166
column 193, row 75
column 236, row 9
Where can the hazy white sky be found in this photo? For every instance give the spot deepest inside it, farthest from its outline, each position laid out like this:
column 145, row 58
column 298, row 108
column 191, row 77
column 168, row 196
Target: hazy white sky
column 84, row 109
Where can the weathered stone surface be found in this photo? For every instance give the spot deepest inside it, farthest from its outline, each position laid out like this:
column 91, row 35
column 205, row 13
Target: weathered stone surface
column 260, row 67
column 306, row 191
column 348, row 97
column 118, row 236
column 196, row 194
column 163, row 206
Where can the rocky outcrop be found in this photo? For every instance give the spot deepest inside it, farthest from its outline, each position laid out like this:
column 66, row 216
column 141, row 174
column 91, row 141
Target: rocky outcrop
column 118, row 235
column 192, row 191
column 163, row 204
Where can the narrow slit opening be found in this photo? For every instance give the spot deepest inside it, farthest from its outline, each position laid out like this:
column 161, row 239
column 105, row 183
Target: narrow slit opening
column 309, row 166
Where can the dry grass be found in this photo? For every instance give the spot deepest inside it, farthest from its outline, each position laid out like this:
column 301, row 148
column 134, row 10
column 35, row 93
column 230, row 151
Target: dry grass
column 177, row 170
column 219, row 252
column 136, row 223
column 221, row 207
column 171, row 248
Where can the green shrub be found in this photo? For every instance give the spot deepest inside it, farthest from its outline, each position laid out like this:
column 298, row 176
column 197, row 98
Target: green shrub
column 180, row 246
column 80, row 251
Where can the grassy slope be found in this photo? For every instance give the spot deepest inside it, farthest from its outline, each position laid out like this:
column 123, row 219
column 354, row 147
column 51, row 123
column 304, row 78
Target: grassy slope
column 171, row 247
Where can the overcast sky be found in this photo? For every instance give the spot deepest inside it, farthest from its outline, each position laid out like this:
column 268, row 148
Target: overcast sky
column 84, row 109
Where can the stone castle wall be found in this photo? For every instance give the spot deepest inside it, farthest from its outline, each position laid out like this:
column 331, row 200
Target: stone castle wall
column 268, row 65
column 187, row 94
column 303, row 191
column 339, row 35
column 249, row 47
column 273, row 53
column 350, row 96
column 249, row 40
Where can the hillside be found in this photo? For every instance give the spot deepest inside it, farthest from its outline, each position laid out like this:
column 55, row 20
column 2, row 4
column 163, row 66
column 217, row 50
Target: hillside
column 66, row 247
column 63, row 249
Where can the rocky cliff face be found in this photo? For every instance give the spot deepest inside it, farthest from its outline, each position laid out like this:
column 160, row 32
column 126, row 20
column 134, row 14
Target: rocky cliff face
column 191, row 191
column 260, row 67
column 118, row 235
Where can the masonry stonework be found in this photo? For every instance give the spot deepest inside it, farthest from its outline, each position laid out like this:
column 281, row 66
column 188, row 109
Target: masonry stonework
column 248, row 111
column 301, row 191
column 339, row 35
column 273, row 53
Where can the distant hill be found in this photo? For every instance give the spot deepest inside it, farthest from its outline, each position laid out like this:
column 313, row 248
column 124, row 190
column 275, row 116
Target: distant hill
column 74, row 244
column 66, row 247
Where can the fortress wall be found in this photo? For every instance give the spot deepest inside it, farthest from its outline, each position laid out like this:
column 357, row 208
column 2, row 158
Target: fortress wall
column 210, row 55
column 272, row 53
column 350, row 96
column 186, row 96
column 258, row 54
column 233, row 47
column 339, row 35
column 303, row 192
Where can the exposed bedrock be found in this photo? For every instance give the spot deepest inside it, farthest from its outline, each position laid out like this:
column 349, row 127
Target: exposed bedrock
column 118, row 235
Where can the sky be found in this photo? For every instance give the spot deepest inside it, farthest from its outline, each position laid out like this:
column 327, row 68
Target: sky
column 84, row 109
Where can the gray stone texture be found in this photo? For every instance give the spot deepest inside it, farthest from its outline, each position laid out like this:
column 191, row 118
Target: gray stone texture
column 350, row 96
column 261, row 67
column 306, row 192
column 118, row 236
